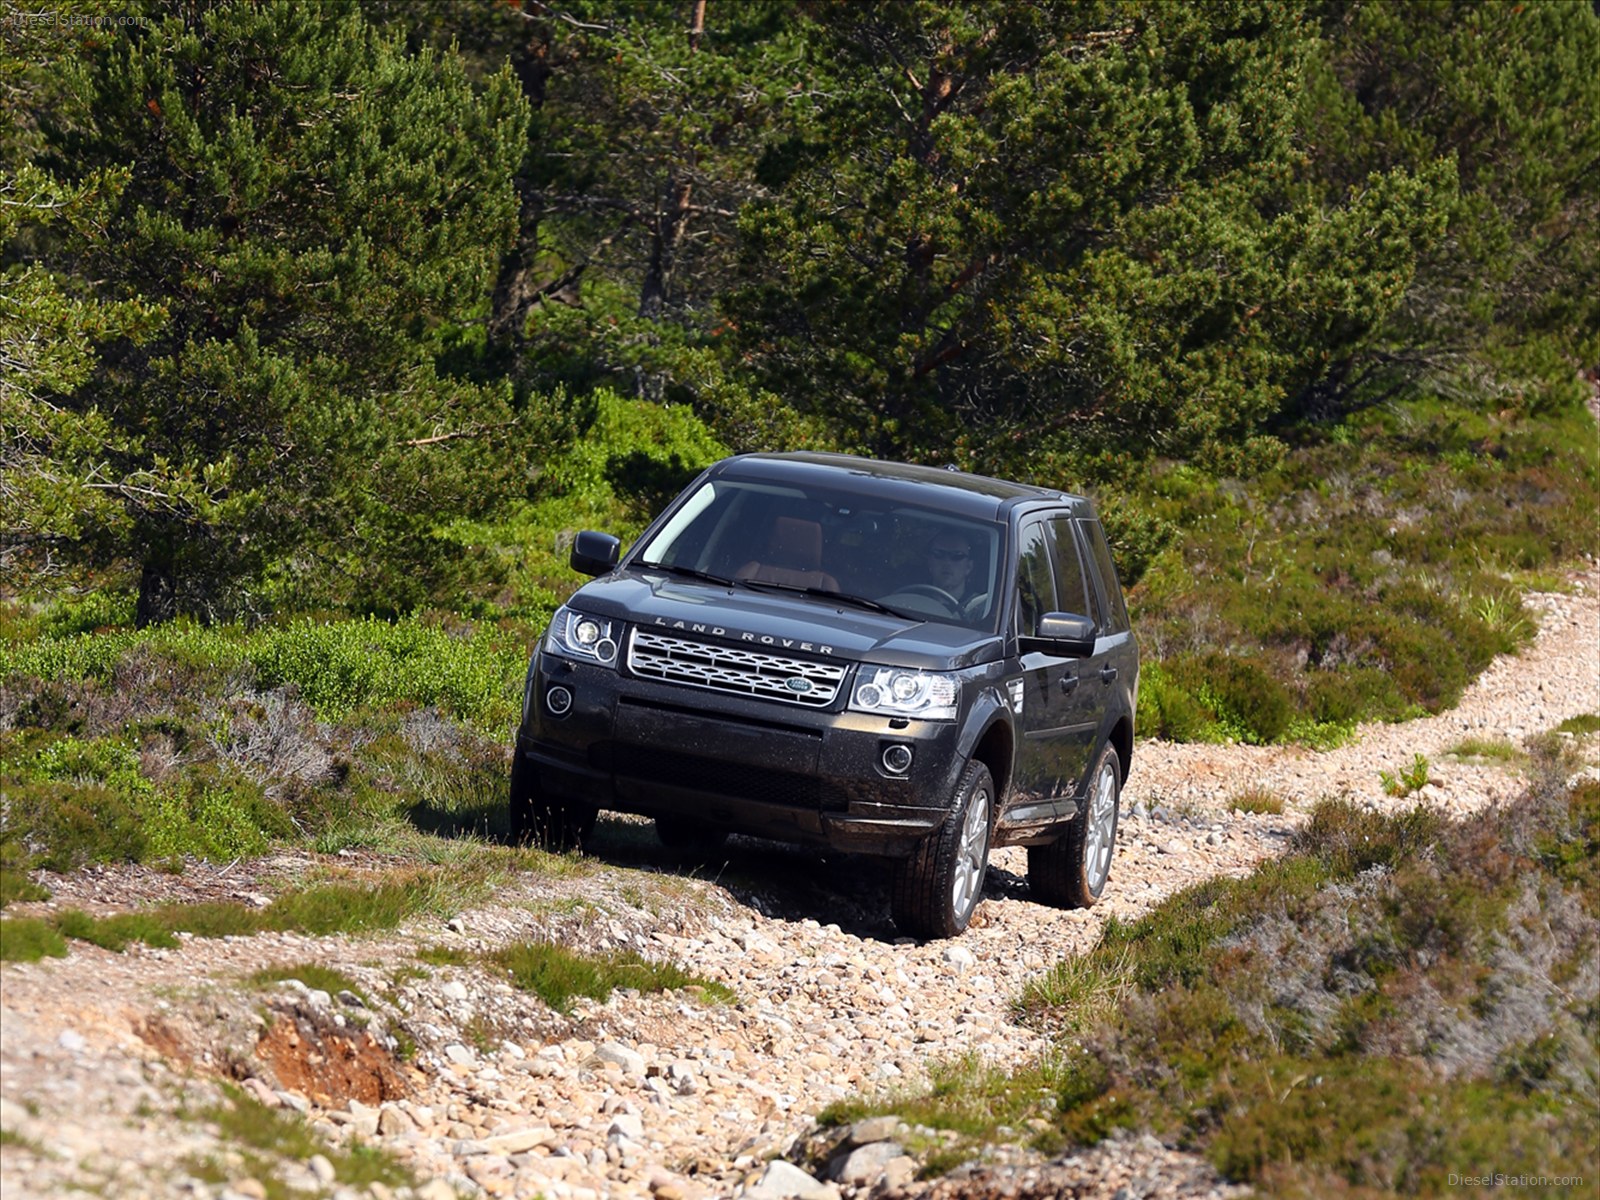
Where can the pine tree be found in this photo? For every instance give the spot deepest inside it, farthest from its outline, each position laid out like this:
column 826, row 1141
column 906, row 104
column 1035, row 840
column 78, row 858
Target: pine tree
column 314, row 209
column 1508, row 94
column 1064, row 225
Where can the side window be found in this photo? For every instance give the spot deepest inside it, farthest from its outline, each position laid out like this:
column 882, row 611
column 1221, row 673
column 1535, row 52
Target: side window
column 1036, row 585
column 1116, row 610
column 1073, row 592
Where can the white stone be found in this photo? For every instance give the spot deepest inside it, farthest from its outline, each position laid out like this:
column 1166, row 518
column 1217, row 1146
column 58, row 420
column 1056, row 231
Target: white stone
column 631, row 1061
column 785, row 1181
column 628, row 1125
column 864, row 1165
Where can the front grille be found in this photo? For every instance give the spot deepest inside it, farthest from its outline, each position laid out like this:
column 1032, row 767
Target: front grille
column 717, row 778
column 733, row 669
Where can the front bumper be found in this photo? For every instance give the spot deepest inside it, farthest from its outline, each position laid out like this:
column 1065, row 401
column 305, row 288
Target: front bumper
column 748, row 765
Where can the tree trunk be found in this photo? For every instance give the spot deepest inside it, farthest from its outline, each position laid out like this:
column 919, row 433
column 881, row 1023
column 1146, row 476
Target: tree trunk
column 516, row 289
column 158, row 591
column 665, row 233
column 697, row 24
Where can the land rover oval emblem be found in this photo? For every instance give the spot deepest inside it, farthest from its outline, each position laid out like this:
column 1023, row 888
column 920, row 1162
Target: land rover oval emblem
column 798, row 685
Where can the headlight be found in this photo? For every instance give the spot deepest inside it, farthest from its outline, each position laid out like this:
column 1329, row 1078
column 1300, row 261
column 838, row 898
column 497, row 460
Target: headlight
column 900, row 693
column 578, row 635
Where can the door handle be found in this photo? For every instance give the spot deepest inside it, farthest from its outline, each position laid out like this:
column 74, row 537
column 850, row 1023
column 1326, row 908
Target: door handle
column 1107, row 674
column 1068, row 682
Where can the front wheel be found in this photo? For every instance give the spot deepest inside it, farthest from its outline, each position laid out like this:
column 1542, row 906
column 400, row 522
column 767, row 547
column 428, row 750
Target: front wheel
column 545, row 821
column 936, row 890
column 1071, row 872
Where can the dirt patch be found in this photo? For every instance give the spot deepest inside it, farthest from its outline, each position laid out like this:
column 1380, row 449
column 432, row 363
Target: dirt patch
column 160, row 1035
column 329, row 1064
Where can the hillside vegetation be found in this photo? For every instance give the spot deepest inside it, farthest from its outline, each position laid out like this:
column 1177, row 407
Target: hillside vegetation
column 305, row 399
column 323, row 328
column 1360, row 1014
column 326, row 326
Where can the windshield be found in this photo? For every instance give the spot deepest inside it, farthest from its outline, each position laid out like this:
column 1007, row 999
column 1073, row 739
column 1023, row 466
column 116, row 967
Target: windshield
column 916, row 562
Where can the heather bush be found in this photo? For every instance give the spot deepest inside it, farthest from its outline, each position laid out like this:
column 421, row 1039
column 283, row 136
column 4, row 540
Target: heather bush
column 1399, row 995
column 1370, row 575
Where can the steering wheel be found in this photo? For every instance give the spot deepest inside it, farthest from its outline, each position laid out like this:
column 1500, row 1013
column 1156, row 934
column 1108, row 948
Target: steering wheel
column 934, row 592
column 976, row 604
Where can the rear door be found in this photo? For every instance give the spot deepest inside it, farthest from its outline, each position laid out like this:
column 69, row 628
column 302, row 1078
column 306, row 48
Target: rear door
column 1056, row 736
column 1116, row 654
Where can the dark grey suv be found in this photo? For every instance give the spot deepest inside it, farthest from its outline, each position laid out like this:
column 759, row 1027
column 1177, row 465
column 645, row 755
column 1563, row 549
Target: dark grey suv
column 885, row 659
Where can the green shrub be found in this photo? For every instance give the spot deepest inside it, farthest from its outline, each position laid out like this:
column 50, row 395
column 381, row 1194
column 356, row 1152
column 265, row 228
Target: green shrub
column 28, row 939
column 82, row 801
column 198, row 816
column 1348, row 839
column 1167, row 710
column 1585, row 723
column 1373, row 574
column 1244, row 700
column 1399, row 996
column 1571, row 850
column 558, row 975
column 1408, row 779
column 75, row 823
column 114, row 933
column 14, row 866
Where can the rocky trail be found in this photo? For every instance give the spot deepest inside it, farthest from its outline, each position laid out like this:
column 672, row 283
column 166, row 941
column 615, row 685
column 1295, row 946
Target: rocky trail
column 107, row 1058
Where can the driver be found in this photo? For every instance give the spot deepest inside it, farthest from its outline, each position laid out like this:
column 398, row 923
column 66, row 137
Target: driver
column 949, row 563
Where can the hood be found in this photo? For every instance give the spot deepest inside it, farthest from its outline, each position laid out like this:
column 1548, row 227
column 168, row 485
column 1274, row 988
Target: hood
column 779, row 621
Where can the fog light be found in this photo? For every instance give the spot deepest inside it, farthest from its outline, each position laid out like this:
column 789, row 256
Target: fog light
column 559, row 701
column 897, row 759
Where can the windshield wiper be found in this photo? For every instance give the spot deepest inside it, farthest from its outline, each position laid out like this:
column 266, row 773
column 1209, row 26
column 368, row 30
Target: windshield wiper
column 845, row 597
column 692, row 573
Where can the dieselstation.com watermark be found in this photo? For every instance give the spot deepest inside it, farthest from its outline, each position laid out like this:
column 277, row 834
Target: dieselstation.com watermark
column 41, row 20
column 1497, row 1180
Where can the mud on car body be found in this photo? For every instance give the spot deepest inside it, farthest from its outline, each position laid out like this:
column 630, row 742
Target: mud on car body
column 880, row 658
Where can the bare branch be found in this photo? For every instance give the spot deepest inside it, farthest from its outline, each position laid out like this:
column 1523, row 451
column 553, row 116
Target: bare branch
column 459, row 434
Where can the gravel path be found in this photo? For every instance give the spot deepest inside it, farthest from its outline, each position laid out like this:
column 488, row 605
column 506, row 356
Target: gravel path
column 107, row 1059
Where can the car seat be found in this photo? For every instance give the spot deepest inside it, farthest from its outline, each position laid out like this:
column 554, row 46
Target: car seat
column 793, row 557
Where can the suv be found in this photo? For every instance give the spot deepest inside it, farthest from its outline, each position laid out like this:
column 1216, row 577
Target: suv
column 885, row 659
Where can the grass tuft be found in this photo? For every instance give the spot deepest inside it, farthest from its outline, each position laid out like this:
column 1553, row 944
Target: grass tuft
column 559, row 976
column 1486, row 750
column 1585, row 723
column 28, row 939
column 263, row 1140
column 1258, row 802
column 321, row 910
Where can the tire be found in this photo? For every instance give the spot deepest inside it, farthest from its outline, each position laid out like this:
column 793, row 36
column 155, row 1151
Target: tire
column 545, row 821
column 688, row 836
column 935, row 891
column 1071, row 872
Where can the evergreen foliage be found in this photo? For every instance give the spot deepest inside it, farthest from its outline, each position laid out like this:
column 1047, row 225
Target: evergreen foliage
column 309, row 205
column 1066, row 227
column 1508, row 94
column 363, row 307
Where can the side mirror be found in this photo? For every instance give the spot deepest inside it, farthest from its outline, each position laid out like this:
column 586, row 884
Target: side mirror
column 1067, row 635
column 595, row 553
